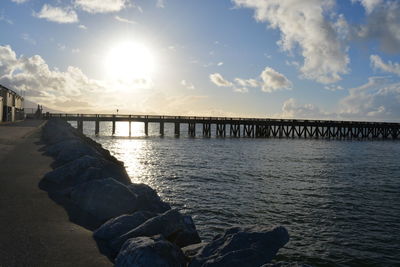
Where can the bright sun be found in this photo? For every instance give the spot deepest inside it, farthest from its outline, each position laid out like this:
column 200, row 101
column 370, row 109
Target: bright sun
column 130, row 62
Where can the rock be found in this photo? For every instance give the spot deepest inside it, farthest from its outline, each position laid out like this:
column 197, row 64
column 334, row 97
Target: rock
column 148, row 198
column 81, row 170
column 192, row 250
column 150, row 251
column 242, row 247
column 69, row 153
column 285, row 264
column 57, row 130
column 54, row 149
column 174, row 226
column 104, row 199
column 118, row 226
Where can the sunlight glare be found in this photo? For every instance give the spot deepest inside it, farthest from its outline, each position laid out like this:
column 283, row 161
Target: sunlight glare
column 130, row 62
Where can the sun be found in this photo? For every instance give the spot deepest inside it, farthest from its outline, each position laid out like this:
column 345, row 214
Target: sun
column 130, row 62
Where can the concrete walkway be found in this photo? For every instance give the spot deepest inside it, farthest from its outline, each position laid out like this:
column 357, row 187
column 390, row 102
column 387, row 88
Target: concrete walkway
column 35, row 231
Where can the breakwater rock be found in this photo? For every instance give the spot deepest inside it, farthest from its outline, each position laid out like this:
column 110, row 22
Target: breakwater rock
column 132, row 225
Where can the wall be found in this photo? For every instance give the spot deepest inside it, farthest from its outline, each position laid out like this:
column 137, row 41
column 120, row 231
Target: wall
column 1, row 109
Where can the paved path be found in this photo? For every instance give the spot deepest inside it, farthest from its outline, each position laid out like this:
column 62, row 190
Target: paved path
column 34, row 230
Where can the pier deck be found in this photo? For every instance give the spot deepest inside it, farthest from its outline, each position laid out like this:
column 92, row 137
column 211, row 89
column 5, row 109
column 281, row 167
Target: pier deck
column 248, row 127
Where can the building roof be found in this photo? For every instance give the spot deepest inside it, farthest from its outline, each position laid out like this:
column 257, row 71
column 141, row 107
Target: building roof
column 10, row 91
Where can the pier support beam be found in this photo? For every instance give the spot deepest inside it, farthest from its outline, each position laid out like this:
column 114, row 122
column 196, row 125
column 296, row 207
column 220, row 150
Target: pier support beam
column 207, row 129
column 146, row 128
column 192, row 129
column 234, row 130
column 162, row 128
column 113, row 125
column 80, row 125
column 177, row 129
column 221, row 130
column 97, row 127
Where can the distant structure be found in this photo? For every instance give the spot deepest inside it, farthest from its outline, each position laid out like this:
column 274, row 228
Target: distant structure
column 11, row 105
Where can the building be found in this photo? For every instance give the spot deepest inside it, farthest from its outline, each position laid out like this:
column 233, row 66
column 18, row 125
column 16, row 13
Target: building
column 12, row 105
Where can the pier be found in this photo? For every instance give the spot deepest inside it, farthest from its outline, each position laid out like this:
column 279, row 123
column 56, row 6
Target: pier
column 246, row 127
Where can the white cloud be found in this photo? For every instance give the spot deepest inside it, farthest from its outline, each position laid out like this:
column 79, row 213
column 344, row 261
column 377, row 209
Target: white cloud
column 292, row 109
column 308, row 25
column 333, row 87
column 75, row 50
column 125, row 20
column 188, row 85
column 57, row 14
column 218, row 80
column 4, row 18
column 220, row 63
column 377, row 99
column 19, row 1
column 82, row 27
column 240, row 89
column 247, row 83
column 273, row 80
column 26, row 37
column 377, row 63
column 369, row 5
column 160, row 4
column 383, row 24
column 101, row 6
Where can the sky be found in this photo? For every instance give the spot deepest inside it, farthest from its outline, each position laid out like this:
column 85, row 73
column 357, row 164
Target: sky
column 304, row 59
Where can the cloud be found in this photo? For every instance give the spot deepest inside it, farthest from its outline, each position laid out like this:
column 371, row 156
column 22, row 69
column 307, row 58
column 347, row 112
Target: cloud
column 312, row 26
column 160, row 4
column 369, row 5
column 273, row 80
column 125, row 20
column 57, row 14
column 188, row 85
column 26, row 37
column 82, row 27
column 383, row 25
column 377, row 63
column 218, row 80
column 101, row 6
column 220, row 63
column 43, row 85
column 377, row 99
column 247, row 83
column 4, row 18
column 333, row 87
column 292, row 109
column 19, row 1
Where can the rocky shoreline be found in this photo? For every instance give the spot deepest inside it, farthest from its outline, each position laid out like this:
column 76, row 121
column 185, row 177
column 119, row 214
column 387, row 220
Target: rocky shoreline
column 132, row 225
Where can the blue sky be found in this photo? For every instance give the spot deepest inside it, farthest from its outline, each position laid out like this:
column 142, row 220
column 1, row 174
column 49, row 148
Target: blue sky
column 322, row 59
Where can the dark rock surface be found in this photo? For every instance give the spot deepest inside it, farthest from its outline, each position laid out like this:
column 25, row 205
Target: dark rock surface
column 150, row 251
column 104, row 199
column 148, row 198
column 174, row 226
column 242, row 247
column 82, row 170
column 286, row 264
column 118, row 226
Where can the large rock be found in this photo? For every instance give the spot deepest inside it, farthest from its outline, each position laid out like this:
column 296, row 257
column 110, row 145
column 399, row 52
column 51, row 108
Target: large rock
column 148, row 198
column 150, row 251
column 118, row 226
column 57, row 130
column 70, row 152
column 174, row 226
column 242, row 248
column 104, row 199
column 82, row 170
column 286, row 264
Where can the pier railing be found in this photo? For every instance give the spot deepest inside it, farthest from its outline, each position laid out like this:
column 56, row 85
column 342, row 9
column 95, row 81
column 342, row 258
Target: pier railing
column 247, row 127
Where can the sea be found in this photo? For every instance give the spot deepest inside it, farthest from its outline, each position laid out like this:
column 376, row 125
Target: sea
column 339, row 199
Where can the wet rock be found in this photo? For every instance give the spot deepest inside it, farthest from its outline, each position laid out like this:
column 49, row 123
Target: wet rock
column 150, row 251
column 82, row 170
column 286, row 264
column 118, row 226
column 192, row 250
column 242, row 247
column 148, row 198
column 174, row 226
column 104, row 199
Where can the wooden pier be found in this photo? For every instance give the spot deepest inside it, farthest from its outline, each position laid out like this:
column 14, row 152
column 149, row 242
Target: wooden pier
column 247, row 127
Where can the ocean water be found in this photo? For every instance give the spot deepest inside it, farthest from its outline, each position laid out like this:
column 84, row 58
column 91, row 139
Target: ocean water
column 339, row 200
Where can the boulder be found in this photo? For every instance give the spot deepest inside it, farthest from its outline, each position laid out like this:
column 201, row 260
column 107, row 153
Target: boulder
column 174, row 226
column 70, row 152
column 118, row 226
column 82, row 170
column 148, row 198
column 285, row 264
column 150, row 251
column 192, row 250
column 242, row 247
column 104, row 199
column 54, row 149
column 57, row 130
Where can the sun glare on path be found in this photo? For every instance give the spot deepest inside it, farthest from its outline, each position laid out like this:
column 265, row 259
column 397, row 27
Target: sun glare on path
column 130, row 62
